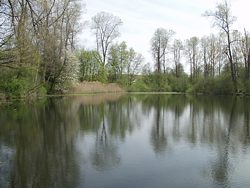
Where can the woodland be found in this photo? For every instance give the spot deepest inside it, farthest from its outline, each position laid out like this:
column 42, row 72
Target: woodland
column 39, row 54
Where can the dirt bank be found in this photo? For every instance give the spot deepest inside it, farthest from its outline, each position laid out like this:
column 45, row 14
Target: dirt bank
column 95, row 87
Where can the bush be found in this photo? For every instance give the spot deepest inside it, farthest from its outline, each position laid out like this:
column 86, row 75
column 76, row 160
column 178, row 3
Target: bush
column 220, row 85
column 14, row 88
column 180, row 84
column 102, row 75
column 223, row 85
column 247, row 86
column 157, row 82
column 42, row 91
column 139, row 86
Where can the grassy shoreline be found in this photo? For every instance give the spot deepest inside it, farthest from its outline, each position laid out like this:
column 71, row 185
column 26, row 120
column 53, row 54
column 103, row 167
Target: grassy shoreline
column 98, row 88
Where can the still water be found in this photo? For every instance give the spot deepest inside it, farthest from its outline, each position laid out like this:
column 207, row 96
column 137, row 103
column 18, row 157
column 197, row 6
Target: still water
column 130, row 141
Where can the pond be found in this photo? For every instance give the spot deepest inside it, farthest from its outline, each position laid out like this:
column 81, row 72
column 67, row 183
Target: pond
column 126, row 141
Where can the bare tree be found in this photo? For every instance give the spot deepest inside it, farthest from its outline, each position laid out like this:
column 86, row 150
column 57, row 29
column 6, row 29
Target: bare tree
column 221, row 57
column 159, row 45
column 224, row 20
column 106, row 28
column 245, row 49
column 204, row 49
column 177, row 48
column 212, row 54
column 134, row 64
column 191, row 50
column 238, row 57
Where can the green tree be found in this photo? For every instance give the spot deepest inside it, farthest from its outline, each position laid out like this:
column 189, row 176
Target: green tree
column 134, row 65
column 89, row 65
column 118, row 60
column 124, row 64
column 38, row 40
column 159, row 45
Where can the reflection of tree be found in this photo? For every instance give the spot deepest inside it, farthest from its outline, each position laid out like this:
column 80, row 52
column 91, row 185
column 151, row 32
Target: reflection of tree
column 43, row 143
column 104, row 154
column 158, row 137
column 41, row 138
column 6, row 155
column 192, row 133
column 246, row 122
column 90, row 117
column 221, row 123
column 110, row 122
column 177, row 104
column 121, row 117
column 176, row 129
column 220, row 169
column 161, row 105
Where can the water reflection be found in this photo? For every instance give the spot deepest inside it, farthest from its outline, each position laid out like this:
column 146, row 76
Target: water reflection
column 44, row 145
column 42, row 138
column 104, row 154
column 110, row 123
column 158, row 135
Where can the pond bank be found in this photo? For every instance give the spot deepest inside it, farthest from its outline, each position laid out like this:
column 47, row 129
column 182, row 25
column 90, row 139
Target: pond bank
column 95, row 87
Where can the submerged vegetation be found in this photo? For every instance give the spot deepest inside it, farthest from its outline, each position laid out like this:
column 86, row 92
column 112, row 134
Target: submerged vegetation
column 38, row 53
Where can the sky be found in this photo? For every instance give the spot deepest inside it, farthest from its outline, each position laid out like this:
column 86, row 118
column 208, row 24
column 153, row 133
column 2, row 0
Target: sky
column 142, row 17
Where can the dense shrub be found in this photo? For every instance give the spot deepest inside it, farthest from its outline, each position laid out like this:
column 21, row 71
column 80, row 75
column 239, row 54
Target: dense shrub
column 14, row 88
column 139, row 86
column 220, row 85
column 180, row 84
column 157, row 82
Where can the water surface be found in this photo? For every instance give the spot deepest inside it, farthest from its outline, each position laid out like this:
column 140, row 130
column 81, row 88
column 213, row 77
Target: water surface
column 112, row 141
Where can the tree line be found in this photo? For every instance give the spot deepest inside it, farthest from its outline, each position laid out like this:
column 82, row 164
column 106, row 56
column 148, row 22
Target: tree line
column 218, row 63
column 38, row 53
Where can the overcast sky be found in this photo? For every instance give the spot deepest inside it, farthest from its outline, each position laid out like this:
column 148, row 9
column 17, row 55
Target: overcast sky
column 142, row 17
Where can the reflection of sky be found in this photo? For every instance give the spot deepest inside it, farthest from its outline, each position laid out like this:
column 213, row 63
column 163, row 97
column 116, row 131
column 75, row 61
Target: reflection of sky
column 241, row 171
column 6, row 159
column 207, row 143
column 182, row 164
column 141, row 167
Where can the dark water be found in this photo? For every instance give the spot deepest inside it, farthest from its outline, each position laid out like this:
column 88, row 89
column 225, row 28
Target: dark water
column 133, row 141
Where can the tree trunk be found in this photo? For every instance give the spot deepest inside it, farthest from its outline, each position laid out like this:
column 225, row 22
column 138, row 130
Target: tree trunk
column 248, row 64
column 230, row 57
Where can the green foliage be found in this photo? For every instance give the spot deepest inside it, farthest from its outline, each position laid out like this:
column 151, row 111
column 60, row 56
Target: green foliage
column 19, row 83
column 247, row 86
column 89, row 65
column 158, row 82
column 123, row 64
column 180, row 84
column 14, row 88
column 69, row 74
column 34, row 55
column 42, row 91
column 102, row 75
column 118, row 60
column 91, row 69
column 139, row 86
column 220, row 85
